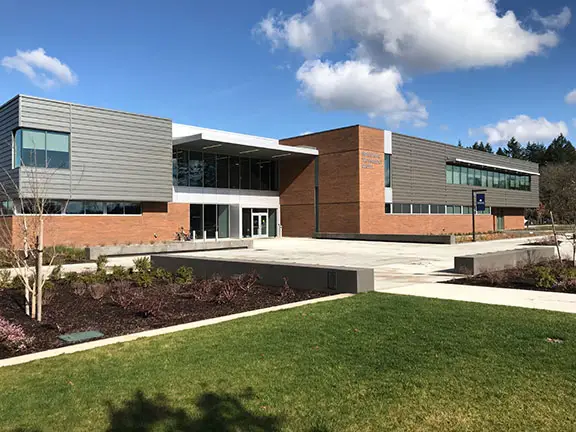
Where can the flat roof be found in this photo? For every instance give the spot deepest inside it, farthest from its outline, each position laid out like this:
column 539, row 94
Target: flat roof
column 234, row 144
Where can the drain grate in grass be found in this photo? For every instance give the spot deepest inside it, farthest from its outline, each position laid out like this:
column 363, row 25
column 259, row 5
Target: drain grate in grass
column 80, row 337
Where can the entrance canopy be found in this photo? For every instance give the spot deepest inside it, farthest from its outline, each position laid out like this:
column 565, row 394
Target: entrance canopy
column 234, row 144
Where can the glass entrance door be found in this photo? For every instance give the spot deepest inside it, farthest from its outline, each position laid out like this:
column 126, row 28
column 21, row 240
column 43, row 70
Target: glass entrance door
column 259, row 224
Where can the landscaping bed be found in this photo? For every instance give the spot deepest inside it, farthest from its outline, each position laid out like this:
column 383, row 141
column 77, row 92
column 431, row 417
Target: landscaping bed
column 550, row 276
column 120, row 302
column 493, row 235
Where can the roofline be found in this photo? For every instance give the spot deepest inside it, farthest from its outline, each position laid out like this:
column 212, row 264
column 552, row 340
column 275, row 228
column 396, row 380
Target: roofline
column 321, row 132
column 87, row 106
column 499, row 157
column 10, row 101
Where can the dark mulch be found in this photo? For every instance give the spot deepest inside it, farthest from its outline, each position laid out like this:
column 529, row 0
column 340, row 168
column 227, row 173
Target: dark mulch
column 68, row 312
column 551, row 276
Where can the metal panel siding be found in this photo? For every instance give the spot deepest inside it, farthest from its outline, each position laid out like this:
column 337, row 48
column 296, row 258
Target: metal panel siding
column 114, row 155
column 8, row 122
column 419, row 176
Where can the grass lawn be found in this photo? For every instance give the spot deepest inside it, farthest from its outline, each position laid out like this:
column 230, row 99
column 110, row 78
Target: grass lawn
column 373, row 362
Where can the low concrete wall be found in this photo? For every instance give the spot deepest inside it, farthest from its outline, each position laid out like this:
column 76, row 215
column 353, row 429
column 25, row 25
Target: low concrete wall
column 395, row 238
column 480, row 263
column 299, row 276
column 93, row 253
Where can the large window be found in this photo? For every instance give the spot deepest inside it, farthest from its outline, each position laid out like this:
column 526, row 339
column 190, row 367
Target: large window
column 452, row 209
column 456, row 174
column 387, row 170
column 41, row 149
column 82, row 207
column 209, row 170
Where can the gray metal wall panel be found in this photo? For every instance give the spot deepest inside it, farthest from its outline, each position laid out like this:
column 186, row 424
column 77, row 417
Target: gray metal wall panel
column 8, row 123
column 114, row 155
column 419, row 176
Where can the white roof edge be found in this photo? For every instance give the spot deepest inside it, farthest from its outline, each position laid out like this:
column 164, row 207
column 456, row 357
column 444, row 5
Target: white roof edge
column 497, row 166
column 196, row 133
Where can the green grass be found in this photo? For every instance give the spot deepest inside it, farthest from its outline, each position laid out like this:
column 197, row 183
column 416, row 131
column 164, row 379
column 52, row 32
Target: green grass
column 373, row 362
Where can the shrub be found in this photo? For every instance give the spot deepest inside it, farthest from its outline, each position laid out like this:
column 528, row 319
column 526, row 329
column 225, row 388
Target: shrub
column 143, row 279
column 56, row 273
column 544, row 277
column 78, row 287
column 118, row 273
column 184, row 275
column 98, row 290
column 142, row 264
column 567, row 286
column 162, row 275
column 246, row 281
column 13, row 337
column 49, row 293
column 5, row 279
column 124, row 296
column 148, row 306
column 226, row 293
column 101, row 262
column 286, row 291
column 71, row 277
column 64, row 255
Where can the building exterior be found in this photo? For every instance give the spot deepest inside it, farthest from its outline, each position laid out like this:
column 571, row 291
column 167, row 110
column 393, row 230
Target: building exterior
column 372, row 181
column 113, row 177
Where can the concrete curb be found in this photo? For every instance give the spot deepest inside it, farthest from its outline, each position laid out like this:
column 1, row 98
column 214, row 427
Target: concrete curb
column 161, row 331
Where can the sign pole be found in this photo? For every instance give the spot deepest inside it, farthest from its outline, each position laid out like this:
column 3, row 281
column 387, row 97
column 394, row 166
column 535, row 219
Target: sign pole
column 473, row 217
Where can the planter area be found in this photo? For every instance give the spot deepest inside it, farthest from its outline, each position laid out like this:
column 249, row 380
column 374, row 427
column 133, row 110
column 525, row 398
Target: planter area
column 118, row 302
column 551, row 276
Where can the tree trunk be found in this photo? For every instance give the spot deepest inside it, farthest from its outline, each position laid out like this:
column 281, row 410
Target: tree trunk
column 39, row 276
column 555, row 237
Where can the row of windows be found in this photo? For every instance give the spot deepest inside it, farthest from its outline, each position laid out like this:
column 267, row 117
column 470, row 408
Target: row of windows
column 42, row 149
column 456, row 174
column 398, row 208
column 82, row 207
column 197, row 169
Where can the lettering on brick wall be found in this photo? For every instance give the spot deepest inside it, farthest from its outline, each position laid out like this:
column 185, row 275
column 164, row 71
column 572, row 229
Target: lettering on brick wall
column 371, row 159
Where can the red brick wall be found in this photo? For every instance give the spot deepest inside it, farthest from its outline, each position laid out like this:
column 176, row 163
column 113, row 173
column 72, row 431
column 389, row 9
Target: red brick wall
column 162, row 219
column 514, row 219
column 338, row 184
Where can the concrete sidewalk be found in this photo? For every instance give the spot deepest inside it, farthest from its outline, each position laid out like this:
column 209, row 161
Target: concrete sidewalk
column 560, row 302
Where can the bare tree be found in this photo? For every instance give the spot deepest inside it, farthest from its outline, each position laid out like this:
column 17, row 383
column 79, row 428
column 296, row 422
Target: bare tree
column 558, row 193
column 26, row 204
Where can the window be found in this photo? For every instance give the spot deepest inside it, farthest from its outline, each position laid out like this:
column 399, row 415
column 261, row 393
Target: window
column 114, row 208
column 387, row 208
column 450, row 209
column 490, row 179
column 209, row 170
column 244, row 173
column 210, row 220
column 420, row 208
column 396, row 208
column 195, row 169
column 407, row 208
column 131, row 208
column 477, row 177
column 196, row 220
column 265, row 175
column 464, row 175
column 234, row 172
column 387, row 170
column 449, row 174
column 255, row 174
column 467, row 209
column 182, row 160
column 438, row 209
column 223, row 218
column 75, row 207
column 41, row 149
column 456, row 174
column 275, row 176
column 484, row 178
column 222, row 172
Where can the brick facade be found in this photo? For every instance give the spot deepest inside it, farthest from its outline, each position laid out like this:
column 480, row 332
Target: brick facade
column 158, row 222
column 351, row 191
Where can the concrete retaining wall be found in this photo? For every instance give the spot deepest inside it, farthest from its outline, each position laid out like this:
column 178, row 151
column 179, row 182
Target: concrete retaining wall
column 396, row 238
column 299, row 276
column 475, row 264
column 93, row 253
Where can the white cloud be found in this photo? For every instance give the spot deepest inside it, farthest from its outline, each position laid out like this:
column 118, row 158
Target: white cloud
column 523, row 128
column 554, row 21
column 358, row 86
column 393, row 38
column 43, row 70
column 571, row 97
column 420, row 35
column 444, row 127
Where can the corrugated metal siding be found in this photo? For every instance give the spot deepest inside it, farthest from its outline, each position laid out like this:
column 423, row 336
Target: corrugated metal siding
column 419, row 176
column 8, row 122
column 114, row 155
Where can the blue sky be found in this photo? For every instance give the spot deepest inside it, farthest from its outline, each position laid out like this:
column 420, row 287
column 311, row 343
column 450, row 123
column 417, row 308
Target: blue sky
column 238, row 66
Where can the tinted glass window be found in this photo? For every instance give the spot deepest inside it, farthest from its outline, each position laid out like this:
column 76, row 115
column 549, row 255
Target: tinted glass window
column 222, row 172
column 182, row 158
column 274, row 176
column 75, row 207
column 387, row 170
column 234, row 172
column 94, row 207
column 57, row 150
column 195, row 169
column 210, row 171
column 255, row 174
column 265, row 172
column 131, row 208
column 115, row 208
column 245, row 173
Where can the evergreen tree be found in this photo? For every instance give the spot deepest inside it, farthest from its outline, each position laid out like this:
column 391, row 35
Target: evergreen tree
column 514, row 149
column 488, row 148
column 536, row 153
column 560, row 151
column 460, row 143
column 501, row 152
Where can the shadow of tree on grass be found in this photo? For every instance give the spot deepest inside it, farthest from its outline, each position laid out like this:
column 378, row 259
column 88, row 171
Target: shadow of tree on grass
column 219, row 412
